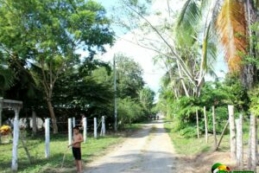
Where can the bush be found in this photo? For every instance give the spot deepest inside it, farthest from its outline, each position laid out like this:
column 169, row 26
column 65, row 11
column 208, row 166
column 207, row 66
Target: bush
column 188, row 132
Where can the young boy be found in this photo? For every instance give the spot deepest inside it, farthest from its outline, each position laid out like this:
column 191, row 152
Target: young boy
column 76, row 148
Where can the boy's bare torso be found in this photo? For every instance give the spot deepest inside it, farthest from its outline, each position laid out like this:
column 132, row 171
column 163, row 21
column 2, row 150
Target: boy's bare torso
column 77, row 137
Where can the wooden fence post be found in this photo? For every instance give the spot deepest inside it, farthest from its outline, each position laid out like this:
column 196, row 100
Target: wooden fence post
column 69, row 131
column 47, row 137
column 206, row 125
column 95, row 127
column 222, row 134
column 239, row 144
column 85, row 129
column 214, row 126
column 232, row 131
column 197, row 123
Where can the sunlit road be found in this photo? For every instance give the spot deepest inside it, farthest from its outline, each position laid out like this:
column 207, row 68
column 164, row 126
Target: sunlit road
column 148, row 151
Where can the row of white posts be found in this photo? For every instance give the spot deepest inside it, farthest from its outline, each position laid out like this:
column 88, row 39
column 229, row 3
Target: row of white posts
column 71, row 124
column 236, row 137
column 236, row 140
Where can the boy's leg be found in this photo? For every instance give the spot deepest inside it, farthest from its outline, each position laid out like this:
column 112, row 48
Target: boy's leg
column 77, row 166
column 80, row 166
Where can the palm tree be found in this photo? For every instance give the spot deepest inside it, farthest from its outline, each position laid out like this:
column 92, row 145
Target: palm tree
column 194, row 32
column 232, row 20
column 172, row 45
column 234, row 23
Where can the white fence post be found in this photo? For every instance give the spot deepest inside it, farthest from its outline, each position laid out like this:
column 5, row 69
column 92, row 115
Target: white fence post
column 232, row 131
column 253, row 142
column 15, row 140
column 74, row 121
column 47, row 137
column 69, row 131
column 239, row 141
column 85, row 128
column 95, row 127
column 103, row 127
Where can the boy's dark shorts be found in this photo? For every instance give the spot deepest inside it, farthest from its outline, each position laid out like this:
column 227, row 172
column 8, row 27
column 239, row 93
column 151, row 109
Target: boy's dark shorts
column 76, row 153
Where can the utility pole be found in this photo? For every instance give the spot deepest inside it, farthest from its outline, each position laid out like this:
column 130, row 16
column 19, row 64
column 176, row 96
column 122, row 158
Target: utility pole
column 115, row 95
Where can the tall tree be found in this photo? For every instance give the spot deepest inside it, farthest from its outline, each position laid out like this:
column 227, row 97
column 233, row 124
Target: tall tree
column 232, row 21
column 48, row 33
column 129, row 74
column 176, row 46
column 146, row 97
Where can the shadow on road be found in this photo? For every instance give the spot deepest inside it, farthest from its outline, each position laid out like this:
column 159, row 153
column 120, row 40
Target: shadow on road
column 150, row 162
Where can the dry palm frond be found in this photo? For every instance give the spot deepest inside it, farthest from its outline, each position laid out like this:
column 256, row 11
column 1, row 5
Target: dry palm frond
column 231, row 24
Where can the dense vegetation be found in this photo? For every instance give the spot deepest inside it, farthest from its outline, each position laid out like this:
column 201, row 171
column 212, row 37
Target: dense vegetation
column 41, row 64
column 191, row 42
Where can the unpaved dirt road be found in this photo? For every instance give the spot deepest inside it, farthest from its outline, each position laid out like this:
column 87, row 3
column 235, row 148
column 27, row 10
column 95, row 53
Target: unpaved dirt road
column 149, row 150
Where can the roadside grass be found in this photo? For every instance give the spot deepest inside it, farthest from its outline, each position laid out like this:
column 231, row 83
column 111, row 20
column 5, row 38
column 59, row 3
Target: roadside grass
column 135, row 126
column 194, row 146
column 129, row 129
column 58, row 148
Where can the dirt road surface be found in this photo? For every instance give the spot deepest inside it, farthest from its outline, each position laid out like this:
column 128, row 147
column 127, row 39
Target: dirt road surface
column 149, row 150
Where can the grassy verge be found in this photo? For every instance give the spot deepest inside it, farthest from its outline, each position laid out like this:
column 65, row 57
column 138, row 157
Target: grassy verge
column 135, row 126
column 186, row 146
column 194, row 146
column 58, row 147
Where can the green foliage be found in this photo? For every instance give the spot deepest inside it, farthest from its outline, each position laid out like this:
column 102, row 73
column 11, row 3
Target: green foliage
column 41, row 39
column 188, row 132
column 129, row 111
column 146, row 98
column 235, row 93
column 87, row 88
column 129, row 77
column 218, row 94
column 6, row 74
column 254, row 105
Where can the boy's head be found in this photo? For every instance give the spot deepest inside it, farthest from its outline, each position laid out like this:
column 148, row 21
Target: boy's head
column 76, row 129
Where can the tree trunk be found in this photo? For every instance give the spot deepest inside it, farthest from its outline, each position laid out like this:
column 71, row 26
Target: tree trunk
column 53, row 117
column 248, row 73
column 232, row 131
